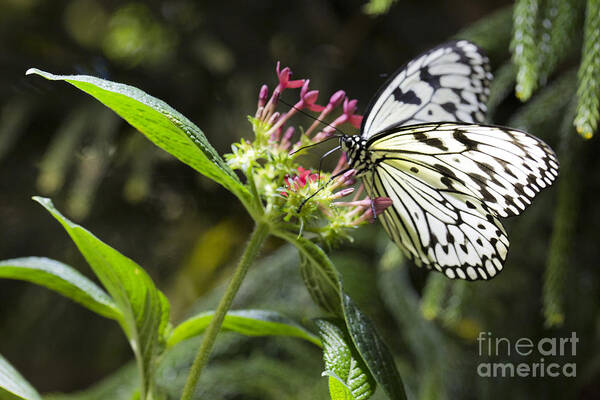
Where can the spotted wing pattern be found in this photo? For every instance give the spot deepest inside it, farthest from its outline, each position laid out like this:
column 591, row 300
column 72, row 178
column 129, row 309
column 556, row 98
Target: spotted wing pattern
column 449, row 184
column 447, row 83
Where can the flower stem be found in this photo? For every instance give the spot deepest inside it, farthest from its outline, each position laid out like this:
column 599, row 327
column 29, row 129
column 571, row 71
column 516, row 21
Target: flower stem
column 257, row 238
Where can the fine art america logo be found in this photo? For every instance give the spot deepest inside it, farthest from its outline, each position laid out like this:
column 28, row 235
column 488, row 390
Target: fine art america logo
column 524, row 357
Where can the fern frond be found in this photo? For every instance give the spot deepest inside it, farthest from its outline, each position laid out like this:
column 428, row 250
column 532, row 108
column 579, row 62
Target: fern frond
column 523, row 46
column 492, row 33
column 565, row 219
column 434, row 295
column 588, row 89
column 557, row 36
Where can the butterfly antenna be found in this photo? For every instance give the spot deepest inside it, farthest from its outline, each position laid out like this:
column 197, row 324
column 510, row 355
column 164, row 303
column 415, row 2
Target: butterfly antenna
column 323, row 156
column 321, row 188
column 313, row 117
column 313, row 144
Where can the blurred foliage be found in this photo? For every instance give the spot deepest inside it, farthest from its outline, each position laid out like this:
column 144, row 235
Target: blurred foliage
column 377, row 7
column 209, row 61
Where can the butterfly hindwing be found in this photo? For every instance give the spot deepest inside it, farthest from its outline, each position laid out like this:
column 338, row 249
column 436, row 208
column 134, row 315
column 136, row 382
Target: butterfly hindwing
column 447, row 83
column 449, row 183
column 452, row 233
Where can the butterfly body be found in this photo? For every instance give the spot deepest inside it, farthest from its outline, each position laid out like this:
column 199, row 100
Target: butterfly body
column 450, row 181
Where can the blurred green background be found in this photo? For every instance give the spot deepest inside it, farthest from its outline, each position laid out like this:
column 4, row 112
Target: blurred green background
column 208, row 60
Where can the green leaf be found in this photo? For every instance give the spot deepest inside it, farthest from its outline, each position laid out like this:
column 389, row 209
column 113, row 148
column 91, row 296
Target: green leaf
column 246, row 322
column 373, row 350
column 163, row 125
column 345, row 368
column 62, row 279
column 13, row 385
column 119, row 385
column 145, row 309
column 337, row 389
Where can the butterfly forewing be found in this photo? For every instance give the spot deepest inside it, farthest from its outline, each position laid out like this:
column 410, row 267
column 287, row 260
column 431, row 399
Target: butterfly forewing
column 447, row 83
column 449, row 183
column 502, row 167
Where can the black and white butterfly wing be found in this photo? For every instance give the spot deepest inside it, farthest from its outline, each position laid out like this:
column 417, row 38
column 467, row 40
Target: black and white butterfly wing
column 449, row 183
column 447, row 83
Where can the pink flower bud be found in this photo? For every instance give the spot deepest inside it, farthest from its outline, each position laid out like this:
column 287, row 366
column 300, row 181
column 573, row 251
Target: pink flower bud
column 350, row 106
column 346, row 179
column 274, row 118
column 262, row 96
column 311, row 96
column 283, row 74
column 304, row 88
column 309, row 99
column 381, row 203
column 342, row 193
column 285, row 140
column 337, row 98
column 276, row 135
column 259, row 113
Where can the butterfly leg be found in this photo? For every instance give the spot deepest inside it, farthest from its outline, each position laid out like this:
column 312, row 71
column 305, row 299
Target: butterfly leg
column 373, row 210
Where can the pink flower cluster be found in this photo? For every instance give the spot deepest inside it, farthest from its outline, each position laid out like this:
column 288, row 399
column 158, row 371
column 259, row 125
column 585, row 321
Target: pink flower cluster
column 308, row 101
column 295, row 182
column 281, row 138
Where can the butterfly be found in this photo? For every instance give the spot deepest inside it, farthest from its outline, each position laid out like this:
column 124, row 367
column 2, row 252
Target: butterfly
column 423, row 144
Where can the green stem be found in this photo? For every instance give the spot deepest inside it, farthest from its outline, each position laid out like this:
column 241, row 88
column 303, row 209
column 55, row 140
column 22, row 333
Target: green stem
column 257, row 238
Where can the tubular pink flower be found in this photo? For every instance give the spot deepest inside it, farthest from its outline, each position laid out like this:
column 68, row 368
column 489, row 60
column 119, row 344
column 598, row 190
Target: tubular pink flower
column 276, row 135
column 270, row 107
column 259, row 113
column 285, row 141
column 337, row 98
column 284, row 76
column 348, row 116
column 346, row 179
column 342, row 193
column 308, row 98
column 379, row 204
column 350, row 110
column 334, row 101
column 262, row 96
column 364, row 203
column 310, row 101
column 350, row 106
column 274, row 118
column 365, row 206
